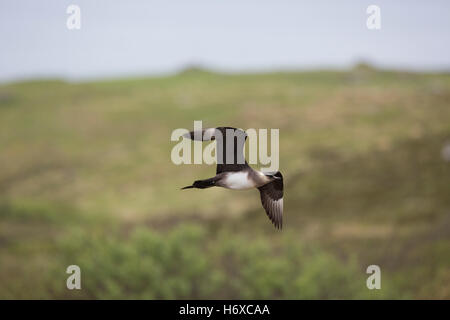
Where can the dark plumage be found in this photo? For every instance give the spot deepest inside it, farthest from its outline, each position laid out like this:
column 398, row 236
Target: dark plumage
column 233, row 172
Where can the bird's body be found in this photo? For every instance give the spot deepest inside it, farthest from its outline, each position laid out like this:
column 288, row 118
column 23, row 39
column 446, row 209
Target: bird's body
column 242, row 180
column 233, row 172
column 236, row 180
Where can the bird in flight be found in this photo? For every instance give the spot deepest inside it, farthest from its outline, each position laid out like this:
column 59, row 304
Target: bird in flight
column 233, row 171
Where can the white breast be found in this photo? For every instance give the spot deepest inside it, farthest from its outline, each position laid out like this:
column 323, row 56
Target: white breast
column 237, row 180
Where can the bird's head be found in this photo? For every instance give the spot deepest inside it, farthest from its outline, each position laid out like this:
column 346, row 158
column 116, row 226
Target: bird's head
column 274, row 175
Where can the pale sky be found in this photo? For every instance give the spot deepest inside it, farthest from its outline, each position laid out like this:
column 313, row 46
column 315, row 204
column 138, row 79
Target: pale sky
column 125, row 38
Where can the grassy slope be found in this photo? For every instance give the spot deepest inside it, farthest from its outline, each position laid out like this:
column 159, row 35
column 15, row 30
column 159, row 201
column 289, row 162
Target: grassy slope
column 86, row 179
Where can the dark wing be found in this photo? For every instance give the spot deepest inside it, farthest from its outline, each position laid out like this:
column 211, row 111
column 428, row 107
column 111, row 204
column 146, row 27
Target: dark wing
column 230, row 156
column 201, row 135
column 272, row 201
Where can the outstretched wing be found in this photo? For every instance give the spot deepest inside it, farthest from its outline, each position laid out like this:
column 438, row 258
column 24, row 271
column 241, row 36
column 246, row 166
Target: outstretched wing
column 201, row 135
column 230, row 157
column 230, row 153
column 272, row 201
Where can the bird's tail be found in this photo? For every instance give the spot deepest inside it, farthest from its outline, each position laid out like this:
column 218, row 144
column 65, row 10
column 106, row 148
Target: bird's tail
column 202, row 184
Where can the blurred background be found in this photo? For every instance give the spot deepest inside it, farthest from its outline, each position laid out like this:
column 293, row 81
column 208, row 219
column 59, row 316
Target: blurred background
column 85, row 171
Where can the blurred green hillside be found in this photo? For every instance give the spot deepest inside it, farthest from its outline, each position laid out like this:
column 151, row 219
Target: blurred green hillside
column 86, row 179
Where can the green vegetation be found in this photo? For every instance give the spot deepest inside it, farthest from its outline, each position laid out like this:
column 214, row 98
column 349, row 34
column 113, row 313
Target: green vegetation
column 86, row 179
